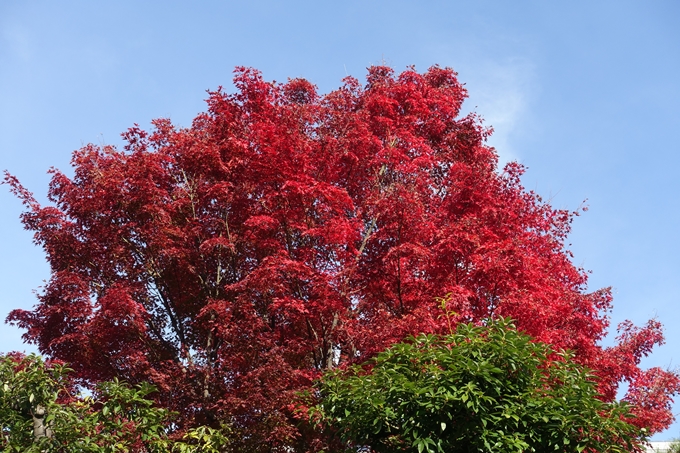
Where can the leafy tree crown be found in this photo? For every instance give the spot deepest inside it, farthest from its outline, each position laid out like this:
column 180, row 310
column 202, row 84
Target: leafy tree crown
column 481, row 388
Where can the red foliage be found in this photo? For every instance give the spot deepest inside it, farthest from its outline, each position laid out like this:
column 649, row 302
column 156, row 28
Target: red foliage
column 284, row 232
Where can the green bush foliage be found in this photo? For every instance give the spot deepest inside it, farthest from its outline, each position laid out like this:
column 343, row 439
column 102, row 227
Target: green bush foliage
column 486, row 388
column 40, row 411
column 674, row 446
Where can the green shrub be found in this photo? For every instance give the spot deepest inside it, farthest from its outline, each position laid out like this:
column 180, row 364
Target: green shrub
column 480, row 389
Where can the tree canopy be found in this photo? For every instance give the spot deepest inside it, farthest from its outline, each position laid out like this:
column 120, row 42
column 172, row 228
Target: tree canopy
column 42, row 411
column 481, row 388
column 285, row 233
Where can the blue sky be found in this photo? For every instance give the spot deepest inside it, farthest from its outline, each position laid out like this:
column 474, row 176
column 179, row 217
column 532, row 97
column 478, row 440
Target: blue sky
column 586, row 94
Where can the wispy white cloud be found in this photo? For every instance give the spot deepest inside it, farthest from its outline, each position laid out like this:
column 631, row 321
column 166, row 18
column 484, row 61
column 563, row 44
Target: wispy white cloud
column 500, row 92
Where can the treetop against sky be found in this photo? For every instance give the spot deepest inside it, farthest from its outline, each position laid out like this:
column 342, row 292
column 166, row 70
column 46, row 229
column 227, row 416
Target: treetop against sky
column 584, row 95
column 286, row 233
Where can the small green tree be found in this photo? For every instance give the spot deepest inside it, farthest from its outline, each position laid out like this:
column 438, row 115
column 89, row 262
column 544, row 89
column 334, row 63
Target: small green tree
column 41, row 412
column 480, row 389
column 674, row 447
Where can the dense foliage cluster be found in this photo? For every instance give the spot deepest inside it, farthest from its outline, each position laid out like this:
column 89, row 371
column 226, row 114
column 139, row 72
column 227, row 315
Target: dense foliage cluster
column 41, row 411
column 285, row 233
column 482, row 388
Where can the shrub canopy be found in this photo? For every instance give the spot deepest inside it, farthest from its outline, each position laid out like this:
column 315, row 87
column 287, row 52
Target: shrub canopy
column 482, row 388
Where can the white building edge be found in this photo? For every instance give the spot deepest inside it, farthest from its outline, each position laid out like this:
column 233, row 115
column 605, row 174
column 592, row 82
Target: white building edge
column 659, row 447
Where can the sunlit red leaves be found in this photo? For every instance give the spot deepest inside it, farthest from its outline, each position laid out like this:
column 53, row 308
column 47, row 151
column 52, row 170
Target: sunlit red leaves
column 286, row 232
column 648, row 394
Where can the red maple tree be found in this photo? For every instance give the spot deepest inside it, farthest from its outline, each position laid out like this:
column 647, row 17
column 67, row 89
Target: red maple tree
column 285, row 233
